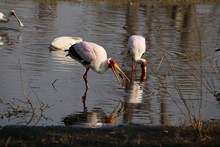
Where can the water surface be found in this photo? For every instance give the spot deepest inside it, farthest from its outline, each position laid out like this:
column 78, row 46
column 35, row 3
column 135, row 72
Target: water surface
column 183, row 68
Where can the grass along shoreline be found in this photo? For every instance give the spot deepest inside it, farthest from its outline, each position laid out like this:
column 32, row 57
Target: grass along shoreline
column 109, row 136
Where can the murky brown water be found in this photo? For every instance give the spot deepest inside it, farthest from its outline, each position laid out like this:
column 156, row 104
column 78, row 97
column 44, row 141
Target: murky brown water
column 183, row 65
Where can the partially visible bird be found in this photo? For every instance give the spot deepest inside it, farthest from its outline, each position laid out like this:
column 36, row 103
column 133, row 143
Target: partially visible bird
column 137, row 47
column 64, row 42
column 94, row 56
column 6, row 18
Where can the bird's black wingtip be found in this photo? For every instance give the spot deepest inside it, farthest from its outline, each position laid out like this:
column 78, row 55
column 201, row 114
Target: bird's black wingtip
column 217, row 50
column 67, row 51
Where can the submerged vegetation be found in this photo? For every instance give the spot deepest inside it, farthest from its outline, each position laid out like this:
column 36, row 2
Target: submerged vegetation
column 25, row 110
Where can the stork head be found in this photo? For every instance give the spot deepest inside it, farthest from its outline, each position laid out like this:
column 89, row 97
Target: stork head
column 13, row 12
column 114, row 66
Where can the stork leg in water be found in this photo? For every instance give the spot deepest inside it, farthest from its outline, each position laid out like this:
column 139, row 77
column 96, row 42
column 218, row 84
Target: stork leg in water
column 84, row 101
column 85, row 78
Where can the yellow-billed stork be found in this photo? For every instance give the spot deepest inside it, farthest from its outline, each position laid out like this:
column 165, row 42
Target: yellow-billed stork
column 137, row 47
column 94, row 56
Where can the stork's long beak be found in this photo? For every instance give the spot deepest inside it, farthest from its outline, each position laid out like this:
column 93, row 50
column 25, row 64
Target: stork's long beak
column 144, row 71
column 19, row 21
column 116, row 67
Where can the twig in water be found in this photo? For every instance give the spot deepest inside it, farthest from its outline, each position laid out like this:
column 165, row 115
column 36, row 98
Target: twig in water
column 53, row 84
column 160, row 63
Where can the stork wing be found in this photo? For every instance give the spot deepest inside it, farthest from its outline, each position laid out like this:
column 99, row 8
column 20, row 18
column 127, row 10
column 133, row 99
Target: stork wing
column 83, row 52
column 86, row 51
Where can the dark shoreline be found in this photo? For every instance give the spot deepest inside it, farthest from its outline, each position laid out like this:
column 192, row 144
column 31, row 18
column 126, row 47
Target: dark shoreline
column 112, row 136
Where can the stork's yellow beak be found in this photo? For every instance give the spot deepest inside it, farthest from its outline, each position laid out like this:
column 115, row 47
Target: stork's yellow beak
column 144, row 71
column 116, row 67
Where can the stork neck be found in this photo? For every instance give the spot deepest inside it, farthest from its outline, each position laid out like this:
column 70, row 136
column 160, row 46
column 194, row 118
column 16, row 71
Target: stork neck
column 139, row 61
column 103, row 66
column 8, row 17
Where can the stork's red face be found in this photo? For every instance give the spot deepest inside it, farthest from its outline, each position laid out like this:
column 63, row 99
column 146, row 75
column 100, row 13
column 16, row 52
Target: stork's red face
column 114, row 66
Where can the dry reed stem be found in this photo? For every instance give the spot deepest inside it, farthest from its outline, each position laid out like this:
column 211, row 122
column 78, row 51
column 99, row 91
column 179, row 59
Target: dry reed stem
column 25, row 94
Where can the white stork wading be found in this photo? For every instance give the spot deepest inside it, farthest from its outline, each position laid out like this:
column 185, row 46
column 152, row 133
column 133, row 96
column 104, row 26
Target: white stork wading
column 94, row 56
column 137, row 47
column 6, row 18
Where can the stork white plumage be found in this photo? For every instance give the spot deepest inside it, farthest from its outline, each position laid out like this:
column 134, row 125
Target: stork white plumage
column 94, row 56
column 63, row 42
column 137, row 47
column 6, row 18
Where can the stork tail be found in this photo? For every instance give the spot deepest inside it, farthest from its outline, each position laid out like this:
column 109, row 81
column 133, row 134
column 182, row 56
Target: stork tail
column 68, row 52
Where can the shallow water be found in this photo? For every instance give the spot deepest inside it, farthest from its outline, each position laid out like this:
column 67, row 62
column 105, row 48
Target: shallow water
column 183, row 69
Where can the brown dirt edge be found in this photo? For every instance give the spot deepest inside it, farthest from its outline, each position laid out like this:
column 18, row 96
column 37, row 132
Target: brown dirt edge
column 135, row 135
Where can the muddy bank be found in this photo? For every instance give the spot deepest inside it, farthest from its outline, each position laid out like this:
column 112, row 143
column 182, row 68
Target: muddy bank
column 112, row 136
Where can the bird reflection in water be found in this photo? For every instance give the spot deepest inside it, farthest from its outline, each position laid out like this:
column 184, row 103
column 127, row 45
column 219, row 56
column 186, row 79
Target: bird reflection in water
column 134, row 96
column 4, row 38
column 112, row 120
column 84, row 101
column 135, row 88
column 136, row 92
column 7, row 39
column 94, row 118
